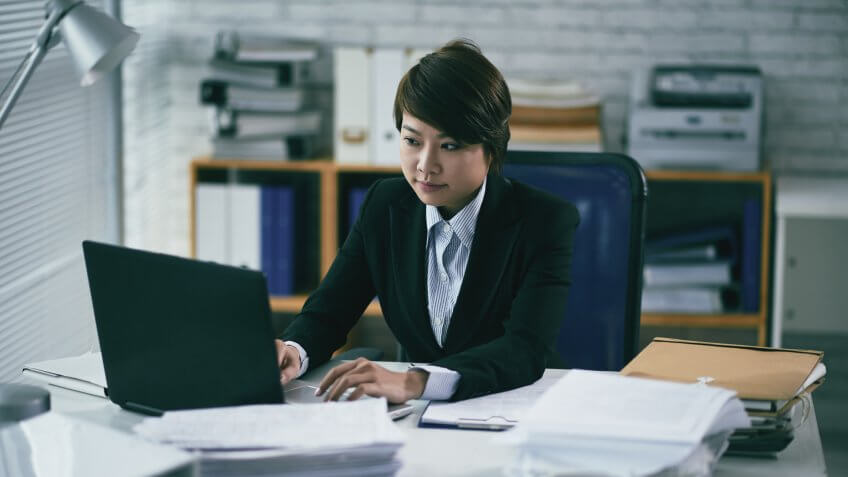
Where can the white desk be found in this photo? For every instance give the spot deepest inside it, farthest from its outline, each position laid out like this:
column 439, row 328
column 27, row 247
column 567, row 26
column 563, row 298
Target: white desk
column 446, row 452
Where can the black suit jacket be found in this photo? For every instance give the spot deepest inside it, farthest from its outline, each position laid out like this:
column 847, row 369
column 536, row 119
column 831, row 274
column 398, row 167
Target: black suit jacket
column 512, row 300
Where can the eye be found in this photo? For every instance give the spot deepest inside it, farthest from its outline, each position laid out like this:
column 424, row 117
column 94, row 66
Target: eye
column 410, row 141
column 450, row 146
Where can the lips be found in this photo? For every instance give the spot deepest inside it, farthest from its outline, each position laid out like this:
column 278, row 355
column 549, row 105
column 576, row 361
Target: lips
column 430, row 187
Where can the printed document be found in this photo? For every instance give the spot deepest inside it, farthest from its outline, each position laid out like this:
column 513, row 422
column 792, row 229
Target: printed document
column 648, row 425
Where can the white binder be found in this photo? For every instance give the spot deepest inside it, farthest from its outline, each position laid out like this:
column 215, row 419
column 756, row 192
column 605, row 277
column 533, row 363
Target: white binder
column 212, row 223
column 245, row 226
column 388, row 66
column 352, row 128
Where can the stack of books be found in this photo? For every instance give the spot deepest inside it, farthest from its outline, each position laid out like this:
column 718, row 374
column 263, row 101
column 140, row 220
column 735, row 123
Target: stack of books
column 554, row 116
column 705, row 270
column 773, row 384
column 269, row 98
column 691, row 272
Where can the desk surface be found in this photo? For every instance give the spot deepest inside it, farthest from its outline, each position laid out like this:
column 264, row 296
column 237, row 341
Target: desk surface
column 447, row 452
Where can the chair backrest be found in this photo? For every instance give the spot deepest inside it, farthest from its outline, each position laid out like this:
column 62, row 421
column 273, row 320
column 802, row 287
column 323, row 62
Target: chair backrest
column 601, row 326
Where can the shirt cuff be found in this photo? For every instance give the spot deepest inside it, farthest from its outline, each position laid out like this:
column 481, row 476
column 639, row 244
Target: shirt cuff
column 304, row 360
column 441, row 383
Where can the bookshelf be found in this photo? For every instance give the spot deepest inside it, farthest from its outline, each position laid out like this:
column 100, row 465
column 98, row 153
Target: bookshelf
column 676, row 198
column 321, row 180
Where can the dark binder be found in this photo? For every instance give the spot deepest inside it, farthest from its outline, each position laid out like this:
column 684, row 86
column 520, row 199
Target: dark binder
column 722, row 237
column 356, row 197
column 225, row 94
column 751, row 252
column 256, row 48
column 284, row 264
column 213, row 92
column 265, row 75
column 268, row 234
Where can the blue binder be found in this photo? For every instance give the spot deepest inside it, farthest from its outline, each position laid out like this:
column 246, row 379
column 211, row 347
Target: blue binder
column 722, row 237
column 284, row 253
column 356, row 197
column 267, row 233
column 752, row 213
column 277, row 239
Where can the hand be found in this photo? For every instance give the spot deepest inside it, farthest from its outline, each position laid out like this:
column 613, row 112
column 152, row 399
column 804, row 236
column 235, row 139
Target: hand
column 372, row 379
column 288, row 359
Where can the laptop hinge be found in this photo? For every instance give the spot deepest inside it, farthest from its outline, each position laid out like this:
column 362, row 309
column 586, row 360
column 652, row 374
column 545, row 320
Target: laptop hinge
column 142, row 409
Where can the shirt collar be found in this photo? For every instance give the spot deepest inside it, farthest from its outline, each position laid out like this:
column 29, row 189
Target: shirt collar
column 464, row 222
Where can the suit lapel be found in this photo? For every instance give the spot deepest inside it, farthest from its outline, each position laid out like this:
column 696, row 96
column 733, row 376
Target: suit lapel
column 408, row 239
column 494, row 237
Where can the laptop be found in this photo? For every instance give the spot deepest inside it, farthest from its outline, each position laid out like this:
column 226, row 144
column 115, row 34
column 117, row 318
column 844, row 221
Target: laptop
column 177, row 333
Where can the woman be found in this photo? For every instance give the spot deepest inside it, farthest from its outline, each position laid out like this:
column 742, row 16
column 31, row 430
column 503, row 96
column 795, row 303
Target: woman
column 471, row 269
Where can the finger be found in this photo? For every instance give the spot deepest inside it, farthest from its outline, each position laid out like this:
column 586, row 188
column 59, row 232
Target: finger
column 290, row 367
column 371, row 389
column 349, row 380
column 287, row 375
column 352, row 378
column 281, row 347
column 334, row 373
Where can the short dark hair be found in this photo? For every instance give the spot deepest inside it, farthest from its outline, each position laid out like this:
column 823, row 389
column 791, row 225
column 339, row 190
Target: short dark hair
column 459, row 92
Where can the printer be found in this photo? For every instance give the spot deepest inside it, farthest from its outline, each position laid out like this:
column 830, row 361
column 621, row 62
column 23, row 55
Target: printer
column 696, row 117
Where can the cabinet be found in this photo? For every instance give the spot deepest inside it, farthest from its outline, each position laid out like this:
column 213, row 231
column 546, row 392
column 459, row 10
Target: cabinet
column 810, row 260
column 323, row 190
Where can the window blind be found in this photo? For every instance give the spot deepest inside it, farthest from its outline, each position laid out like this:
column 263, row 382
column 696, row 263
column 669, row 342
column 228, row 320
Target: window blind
column 53, row 187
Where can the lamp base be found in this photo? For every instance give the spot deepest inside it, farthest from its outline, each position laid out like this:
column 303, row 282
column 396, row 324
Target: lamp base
column 22, row 401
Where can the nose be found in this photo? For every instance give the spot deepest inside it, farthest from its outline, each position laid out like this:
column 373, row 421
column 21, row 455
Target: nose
column 428, row 161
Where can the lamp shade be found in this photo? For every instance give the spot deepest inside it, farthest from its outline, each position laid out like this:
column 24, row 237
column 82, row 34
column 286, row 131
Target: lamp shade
column 96, row 42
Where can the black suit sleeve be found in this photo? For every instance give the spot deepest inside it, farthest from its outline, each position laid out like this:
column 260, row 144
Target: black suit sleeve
column 334, row 307
column 518, row 357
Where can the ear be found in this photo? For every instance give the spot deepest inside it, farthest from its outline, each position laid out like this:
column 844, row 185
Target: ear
column 488, row 156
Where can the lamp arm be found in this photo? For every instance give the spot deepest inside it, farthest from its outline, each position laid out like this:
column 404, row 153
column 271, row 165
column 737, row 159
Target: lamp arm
column 45, row 40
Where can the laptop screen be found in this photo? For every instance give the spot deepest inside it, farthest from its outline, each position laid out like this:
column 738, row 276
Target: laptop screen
column 177, row 333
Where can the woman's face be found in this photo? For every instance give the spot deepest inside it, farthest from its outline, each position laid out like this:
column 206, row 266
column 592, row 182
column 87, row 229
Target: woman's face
column 441, row 171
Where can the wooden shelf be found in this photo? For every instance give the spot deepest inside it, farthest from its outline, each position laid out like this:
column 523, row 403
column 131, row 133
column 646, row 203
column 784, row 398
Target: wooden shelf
column 745, row 320
column 709, row 176
column 334, row 179
column 315, row 165
column 287, row 304
column 367, row 169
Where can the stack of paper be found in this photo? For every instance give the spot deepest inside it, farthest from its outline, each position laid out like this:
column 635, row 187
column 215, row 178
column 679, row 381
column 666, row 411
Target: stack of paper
column 341, row 438
column 594, row 422
column 554, row 115
column 770, row 381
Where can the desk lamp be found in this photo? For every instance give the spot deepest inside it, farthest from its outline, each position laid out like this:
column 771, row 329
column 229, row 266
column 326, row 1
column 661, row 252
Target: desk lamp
column 97, row 43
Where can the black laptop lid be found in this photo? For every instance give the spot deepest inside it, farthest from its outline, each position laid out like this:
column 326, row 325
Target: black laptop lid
column 181, row 334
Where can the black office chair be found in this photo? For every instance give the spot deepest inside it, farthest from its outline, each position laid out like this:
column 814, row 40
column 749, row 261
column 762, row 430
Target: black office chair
column 600, row 329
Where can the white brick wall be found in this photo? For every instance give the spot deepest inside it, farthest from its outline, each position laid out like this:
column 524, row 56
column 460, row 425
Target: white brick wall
column 801, row 46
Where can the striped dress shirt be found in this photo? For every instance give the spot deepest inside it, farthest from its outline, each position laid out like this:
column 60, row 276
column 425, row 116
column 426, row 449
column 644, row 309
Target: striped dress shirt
column 448, row 248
